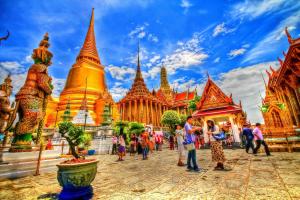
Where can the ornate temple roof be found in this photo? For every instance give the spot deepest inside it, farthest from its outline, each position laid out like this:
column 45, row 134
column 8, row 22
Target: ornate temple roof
column 89, row 49
column 138, row 89
column 291, row 62
column 214, row 101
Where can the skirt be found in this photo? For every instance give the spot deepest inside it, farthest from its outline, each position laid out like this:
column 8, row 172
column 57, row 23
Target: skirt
column 217, row 152
column 121, row 149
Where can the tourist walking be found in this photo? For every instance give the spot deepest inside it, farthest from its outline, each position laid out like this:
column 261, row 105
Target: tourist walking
column 145, row 145
column 217, row 152
column 248, row 134
column 190, row 140
column 114, row 143
column 260, row 139
column 158, row 141
column 132, row 144
column 171, row 142
column 139, row 144
column 151, row 141
column 121, row 148
column 179, row 139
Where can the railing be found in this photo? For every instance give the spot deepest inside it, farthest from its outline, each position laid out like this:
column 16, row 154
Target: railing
column 60, row 144
column 40, row 148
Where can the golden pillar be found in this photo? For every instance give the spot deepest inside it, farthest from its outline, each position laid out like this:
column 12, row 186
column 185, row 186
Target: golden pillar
column 123, row 111
column 292, row 100
column 156, row 113
column 129, row 113
column 147, row 112
column 141, row 111
column 151, row 112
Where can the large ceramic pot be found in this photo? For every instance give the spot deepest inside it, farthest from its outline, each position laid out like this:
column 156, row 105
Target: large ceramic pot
column 76, row 178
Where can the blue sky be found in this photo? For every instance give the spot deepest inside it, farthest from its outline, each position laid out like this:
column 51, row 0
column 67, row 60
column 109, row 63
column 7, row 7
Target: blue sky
column 233, row 40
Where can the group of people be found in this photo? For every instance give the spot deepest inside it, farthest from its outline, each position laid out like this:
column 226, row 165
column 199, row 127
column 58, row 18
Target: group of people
column 186, row 140
column 256, row 135
column 141, row 144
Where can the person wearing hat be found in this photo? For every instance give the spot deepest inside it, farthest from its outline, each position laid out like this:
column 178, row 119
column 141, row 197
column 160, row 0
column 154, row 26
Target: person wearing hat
column 248, row 133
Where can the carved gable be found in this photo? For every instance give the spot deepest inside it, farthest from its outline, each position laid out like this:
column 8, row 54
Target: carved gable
column 213, row 97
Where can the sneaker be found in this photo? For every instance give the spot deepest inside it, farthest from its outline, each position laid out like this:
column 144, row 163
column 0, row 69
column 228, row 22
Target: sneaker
column 189, row 168
column 197, row 170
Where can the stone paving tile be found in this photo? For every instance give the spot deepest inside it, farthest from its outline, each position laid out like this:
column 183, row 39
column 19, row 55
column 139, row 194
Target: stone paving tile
column 251, row 177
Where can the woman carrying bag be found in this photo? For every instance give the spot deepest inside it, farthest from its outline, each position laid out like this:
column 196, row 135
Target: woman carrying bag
column 216, row 138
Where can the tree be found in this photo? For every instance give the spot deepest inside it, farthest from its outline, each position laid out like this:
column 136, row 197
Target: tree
column 193, row 103
column 170, row 118
column 182, row 120
column 74, row 135
column 121, row 127
column 136, row 128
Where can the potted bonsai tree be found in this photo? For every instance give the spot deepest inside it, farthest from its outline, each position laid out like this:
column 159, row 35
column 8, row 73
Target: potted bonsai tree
column 75, row 175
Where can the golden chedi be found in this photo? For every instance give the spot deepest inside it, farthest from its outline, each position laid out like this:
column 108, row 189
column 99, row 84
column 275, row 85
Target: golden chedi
column 86, row 76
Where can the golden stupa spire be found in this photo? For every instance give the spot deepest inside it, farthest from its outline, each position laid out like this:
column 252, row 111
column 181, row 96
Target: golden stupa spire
column 164, row 83
column 89, row 49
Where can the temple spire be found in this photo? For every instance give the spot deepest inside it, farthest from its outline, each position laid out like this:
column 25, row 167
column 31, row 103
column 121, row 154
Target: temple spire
column 89, row 49
column 264, row 78
column 138, row 70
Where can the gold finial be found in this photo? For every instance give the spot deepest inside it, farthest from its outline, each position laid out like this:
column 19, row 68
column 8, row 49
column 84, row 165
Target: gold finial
column 89, row 49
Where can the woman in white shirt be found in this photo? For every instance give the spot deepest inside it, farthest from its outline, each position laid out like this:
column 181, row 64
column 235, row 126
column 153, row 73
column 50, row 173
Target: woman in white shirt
column 217, row 152
column 179, row 138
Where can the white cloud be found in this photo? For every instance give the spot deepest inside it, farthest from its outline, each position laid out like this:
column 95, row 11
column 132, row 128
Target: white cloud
column 236, row 52
column 186, row 55
column 185, row 4
column 58, row 86
column 220, row 28
column 246, row 84
column 140, row 32
column 255, row 8
column 271, row 39
column 118, row 92
column 121, row 73
column 12, row 67
column 217, row 60
column 154, row 58
column 28, row 59
column 152, row 73
column 152, row 38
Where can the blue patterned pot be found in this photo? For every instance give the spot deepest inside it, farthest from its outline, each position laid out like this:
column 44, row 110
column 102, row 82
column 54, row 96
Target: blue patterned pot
column 76, row 175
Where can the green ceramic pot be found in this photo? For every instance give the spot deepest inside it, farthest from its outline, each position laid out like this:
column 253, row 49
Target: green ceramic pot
column 76, row 175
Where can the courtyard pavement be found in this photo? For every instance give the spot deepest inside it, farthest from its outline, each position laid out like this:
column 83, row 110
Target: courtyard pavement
column 250, row 177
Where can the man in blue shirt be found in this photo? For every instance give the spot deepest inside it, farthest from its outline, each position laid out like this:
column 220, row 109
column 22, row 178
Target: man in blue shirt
column 190, row 139
column 248, row 133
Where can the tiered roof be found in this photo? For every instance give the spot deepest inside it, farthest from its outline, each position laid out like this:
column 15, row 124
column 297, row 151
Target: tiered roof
column 292, row 56
column 214, row 101
column 139, row 89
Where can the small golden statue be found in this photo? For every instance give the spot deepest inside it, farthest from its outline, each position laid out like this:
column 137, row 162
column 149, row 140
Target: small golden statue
column 6, row 109
column 32, row 98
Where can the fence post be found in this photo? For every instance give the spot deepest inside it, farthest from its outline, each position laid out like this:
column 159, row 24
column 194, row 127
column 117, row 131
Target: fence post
column 37, row 172
column 62, row 147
